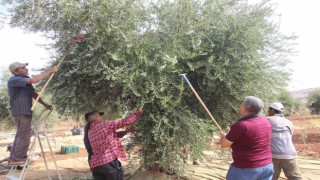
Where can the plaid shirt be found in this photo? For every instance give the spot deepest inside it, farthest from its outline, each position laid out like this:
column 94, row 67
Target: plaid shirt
column 104, row 140
column 120, row 134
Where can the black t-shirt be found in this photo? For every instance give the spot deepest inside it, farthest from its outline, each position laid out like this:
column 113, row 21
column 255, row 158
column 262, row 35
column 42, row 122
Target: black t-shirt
column 86, row 141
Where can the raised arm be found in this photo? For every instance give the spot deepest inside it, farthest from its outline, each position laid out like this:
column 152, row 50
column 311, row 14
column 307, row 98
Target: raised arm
column 132, row 129
column 124, row 122
column 120, row 134
column 41, row 76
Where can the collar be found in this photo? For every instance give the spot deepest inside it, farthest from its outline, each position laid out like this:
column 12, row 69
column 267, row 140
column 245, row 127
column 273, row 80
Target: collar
column 280, row 115
column 248, row 117
column 94, row 123
column 21, row 75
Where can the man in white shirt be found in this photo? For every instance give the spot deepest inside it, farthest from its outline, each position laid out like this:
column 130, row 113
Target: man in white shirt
column 284, row 154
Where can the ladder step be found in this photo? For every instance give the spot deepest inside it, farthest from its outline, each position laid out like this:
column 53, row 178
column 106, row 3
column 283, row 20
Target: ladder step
column 12, row 177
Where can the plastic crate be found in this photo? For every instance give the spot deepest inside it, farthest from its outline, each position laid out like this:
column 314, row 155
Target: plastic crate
column 71, row 149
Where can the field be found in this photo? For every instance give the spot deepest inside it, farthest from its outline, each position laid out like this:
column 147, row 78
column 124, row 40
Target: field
column 307, row 137
column 214, row 165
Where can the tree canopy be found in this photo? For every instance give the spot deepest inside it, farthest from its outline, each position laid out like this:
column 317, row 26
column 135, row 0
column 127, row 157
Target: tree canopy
column 4, row 96
column 291, row 105
column 314, row 101
column 134, row 49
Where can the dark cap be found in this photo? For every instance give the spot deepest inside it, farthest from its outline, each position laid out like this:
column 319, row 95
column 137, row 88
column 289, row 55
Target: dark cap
column 87, row 115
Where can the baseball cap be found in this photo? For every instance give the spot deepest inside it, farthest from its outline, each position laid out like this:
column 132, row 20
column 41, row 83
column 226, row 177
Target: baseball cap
column 16, row 65
column 277, row 106
column 87, row 115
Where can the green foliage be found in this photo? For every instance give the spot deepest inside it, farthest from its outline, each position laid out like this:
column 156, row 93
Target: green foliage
column 47, row 122
column 314, row 101
column 134, row 50
column 4, row 98
column 291, row 105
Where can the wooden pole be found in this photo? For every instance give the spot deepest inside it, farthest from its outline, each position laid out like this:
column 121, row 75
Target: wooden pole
column 200, row 100
column 46, row 84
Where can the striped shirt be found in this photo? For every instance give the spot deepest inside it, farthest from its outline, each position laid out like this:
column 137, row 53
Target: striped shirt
column 20, row 94
column 104, row 140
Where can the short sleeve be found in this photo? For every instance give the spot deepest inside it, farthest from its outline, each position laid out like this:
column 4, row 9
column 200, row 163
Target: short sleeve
column 18, row 82
column 237, row 130
column 291, row 127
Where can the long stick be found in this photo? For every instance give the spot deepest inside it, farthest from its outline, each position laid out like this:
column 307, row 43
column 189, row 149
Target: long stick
column 46, row 84
column 200, row 100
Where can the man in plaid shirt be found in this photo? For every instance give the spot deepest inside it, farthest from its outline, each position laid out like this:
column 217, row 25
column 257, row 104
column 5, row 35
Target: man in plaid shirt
column 106, row 145
column 86, row 142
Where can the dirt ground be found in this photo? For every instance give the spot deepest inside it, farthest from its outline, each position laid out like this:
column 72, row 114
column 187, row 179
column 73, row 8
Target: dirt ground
column 307, row 137
column 213, row 166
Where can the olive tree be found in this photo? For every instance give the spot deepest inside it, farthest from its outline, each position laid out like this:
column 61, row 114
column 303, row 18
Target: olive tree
column 313, row 101
column 4, row 98
column 291, row 105
column 133, row 51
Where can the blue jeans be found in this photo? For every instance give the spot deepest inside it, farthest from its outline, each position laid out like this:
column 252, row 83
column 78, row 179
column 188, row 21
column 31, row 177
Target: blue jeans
column 260, row 173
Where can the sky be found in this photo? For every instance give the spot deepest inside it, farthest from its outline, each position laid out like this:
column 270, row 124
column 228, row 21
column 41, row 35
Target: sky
column 302, row 19
column 297, row 17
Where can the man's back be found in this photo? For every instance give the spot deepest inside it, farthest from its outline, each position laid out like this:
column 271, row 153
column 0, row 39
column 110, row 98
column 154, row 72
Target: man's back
column 251, row 147
column 281, row 142
column 105, row 145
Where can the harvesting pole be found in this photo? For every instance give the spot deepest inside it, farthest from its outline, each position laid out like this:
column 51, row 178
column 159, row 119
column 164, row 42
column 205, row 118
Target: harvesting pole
column 200, row 100
column 69, row 49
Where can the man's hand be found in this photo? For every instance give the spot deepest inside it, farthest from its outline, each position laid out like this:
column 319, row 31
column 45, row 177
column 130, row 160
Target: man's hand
column 224, row 141
column 222, row 135
column 140, row 110
column 49, row 107
column 54, row 69
column 131, row 129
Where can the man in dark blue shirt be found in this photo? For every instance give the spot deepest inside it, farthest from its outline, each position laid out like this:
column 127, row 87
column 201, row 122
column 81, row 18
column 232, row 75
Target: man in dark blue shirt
column 21, row 93
column 86, row 141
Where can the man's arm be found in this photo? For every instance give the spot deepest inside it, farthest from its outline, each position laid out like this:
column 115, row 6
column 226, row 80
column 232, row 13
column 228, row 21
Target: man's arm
column 225, row 143
column 291, row 127
column 132, row 129
column 235, row 133
column 41, row 76
column 35, row 96
column 124, row 122
column 120, row 134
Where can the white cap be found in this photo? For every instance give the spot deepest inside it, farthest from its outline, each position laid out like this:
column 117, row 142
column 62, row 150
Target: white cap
column 277, row 106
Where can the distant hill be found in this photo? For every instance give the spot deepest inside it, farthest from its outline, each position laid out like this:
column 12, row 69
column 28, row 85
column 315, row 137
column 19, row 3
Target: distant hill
column 303, row 93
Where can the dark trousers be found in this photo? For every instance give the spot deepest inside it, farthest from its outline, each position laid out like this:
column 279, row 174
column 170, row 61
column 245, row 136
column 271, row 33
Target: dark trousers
column 110, row 171
column 22, row 139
